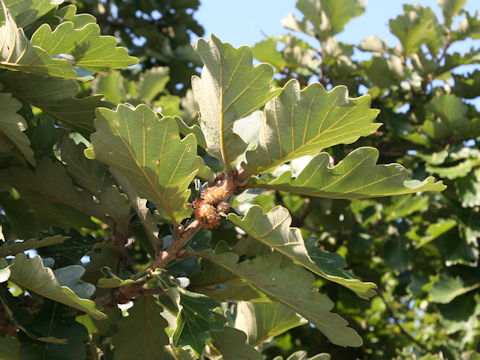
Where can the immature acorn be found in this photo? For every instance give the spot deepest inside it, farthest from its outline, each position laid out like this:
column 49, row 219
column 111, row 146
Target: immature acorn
column 206, row 214
column 214, row 195
column 209, row 205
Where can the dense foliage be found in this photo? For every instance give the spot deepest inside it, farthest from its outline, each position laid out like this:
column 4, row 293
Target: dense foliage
column 264, row 212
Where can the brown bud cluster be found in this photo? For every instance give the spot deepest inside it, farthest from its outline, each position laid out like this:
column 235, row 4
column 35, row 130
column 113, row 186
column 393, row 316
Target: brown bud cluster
column 209, row 205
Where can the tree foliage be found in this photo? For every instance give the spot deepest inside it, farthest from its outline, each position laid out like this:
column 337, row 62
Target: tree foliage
column 141, row 218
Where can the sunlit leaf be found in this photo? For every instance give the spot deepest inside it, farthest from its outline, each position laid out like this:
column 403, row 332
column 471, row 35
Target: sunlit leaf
column 273, row 229
column 357, row 176
column 262, row 321
column 299, row 123
column 148, row 151
column 229, row 89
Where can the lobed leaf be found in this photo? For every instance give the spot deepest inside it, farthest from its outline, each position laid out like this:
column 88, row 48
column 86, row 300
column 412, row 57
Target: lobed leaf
column 55, row 97
column 87, row 48
column 52, row 194
column 324, row 18
column 34, row 276
column 435, row 230
column 15, row 247
column 195, row 321
column 355, row 177
column 229, row 89
column 69, row 13
column 26, row 12
column 303, row 122
column 141, row 334
column 12, row 125
column 231, row 344
column 448, row 288
column 94, row 177
column 263, row 321
column 291, row 286
column 273, row 229
column 148, row 151
column 19, row 54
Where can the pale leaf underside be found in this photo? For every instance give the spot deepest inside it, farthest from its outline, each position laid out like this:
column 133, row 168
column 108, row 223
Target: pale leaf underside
column 355, row 177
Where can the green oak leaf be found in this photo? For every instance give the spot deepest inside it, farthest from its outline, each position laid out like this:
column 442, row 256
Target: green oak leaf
column 69, row 251
column 86, row 47
column 152, row 82
column 266, row 51
column 262, row 321
column 417, row 26
column 273, row 229
column 19, row 54
column 435, row 230
column 34, row 276
column 26, row 12
column 357, row 176
column 15, row 247
column 52, row 194
column 450, row 8
column 69, row 13
column 148, row 151
column 10, row 348
column 291, row 286
column 229, row 89
column 324, row 18
column 13, row 125
column 303, row 122
column 195, row 321
column 55, row 97
column 219, row 283
column 111, row 280
column 232, row 345
column 20, row 216
column 141, row 334
column 69, row 276
column 94, row 177
column 448, row 288
column 468, row 189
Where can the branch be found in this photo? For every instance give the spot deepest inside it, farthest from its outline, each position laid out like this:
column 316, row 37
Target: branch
column 399, row 325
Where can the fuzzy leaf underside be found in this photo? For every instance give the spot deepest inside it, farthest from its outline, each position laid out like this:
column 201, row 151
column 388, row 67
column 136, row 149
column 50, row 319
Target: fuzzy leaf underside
column 357, row 176
column 291, row 286
column 303, row 122
column 34, row 276
column 148, row 151
column 229, row 89
column 273, row 229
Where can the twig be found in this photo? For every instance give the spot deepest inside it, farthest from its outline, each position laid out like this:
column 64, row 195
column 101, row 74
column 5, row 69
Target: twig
column 399, row 325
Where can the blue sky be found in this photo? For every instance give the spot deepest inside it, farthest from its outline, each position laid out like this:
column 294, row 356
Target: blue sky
column 245, row 22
